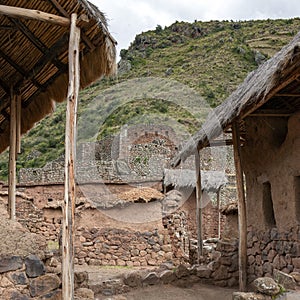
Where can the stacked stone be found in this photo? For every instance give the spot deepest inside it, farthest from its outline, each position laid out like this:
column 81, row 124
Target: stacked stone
column 271, row 250
column 22, row 279
column 122, row 247
column 224, row 265
column 176, row 225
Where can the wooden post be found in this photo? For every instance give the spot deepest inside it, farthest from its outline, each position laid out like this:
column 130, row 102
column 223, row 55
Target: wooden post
column 198, row 207
column 19, row 116
column 12, row 157
column 219, row 214
column 70, row 143
column 242, row 217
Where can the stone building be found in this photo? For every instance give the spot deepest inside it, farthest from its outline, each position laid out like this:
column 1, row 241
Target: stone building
column 263, row 115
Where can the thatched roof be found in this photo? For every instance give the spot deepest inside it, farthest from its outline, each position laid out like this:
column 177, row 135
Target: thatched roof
column 272, row 89
column 34, row 58
column 211, row 181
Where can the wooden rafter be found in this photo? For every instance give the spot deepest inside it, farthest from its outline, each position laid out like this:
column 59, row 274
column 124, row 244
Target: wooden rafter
column 62, row 11
column 34, row 40
column 18, row 68
column 18, row 12
column 270, row 113
column 49, row 56
column 5, row 87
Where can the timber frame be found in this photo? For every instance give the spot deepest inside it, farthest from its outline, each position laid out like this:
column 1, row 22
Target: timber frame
column 48, row 51
column 273, row 90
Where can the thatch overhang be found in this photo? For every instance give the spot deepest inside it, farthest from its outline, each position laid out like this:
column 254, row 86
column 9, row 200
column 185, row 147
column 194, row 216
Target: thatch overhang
column 211, row 181
column 271, row 90
column 34, row 57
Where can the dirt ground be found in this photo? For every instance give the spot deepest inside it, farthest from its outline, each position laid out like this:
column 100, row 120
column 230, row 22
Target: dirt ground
column 170, row 292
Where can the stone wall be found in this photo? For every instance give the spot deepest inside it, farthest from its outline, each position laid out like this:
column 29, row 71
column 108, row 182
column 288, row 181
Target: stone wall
column 138, row 152
column 26, row 278
column 108, row 246
column 273, row 249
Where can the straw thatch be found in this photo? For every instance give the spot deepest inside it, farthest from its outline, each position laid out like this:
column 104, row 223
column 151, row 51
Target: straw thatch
column 211, row 181
column 272, row 87
column 34, row 58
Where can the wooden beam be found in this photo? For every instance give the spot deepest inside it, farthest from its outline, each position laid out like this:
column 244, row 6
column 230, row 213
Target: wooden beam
column 242, row 217
column 198, row 206
column 70, row 144
column 219, row 213
column 271, row 113
column 61, row 10
column 34, row 40
column 12, row 158
column 278, row 88
column 19, row 12
column 287, row 95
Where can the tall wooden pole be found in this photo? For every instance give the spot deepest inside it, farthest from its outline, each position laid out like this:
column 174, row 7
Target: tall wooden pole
column 219, row 214
column 242, row 217
column 198, row 207
column 70, row 143
column 12, row 157
column 19, row 120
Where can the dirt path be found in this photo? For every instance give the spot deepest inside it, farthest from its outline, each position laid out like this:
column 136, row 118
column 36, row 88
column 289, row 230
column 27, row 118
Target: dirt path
column 170, row 292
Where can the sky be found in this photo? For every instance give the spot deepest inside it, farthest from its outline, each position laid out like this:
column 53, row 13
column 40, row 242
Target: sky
column 127, row 18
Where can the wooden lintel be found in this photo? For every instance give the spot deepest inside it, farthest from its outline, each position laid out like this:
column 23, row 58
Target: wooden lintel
column 18, row 12
column 198, row 207
column 242, row 216
column 70, row 149
column 270, row 113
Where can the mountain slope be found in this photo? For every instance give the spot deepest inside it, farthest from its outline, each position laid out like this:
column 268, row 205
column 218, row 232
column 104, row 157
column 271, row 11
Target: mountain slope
column 211, row 58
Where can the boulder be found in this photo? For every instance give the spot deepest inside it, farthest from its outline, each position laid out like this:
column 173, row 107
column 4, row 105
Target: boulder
column 267, row 286
column 133, row 279
column 151, row 279
column 286, row 280
column 11, row 294
column 182, row 271
column 167, row 276
column 42, row 285
column 296, row 276
column 10, row 263
column 34, row 266
column 248, row 296
column 84, row 293
column 18, row 278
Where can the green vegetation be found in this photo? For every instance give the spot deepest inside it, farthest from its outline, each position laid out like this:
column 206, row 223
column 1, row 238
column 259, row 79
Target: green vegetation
column 211, row 58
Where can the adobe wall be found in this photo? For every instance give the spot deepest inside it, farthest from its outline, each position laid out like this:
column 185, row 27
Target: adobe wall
column 209, row 218
column 271, row 161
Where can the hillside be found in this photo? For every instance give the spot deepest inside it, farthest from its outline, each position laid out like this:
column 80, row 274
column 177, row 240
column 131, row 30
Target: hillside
column 210, row 58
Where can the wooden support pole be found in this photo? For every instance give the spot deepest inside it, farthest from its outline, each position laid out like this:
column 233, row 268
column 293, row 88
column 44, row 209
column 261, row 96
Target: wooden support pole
column 70, row 144
column 18, row 12
column 219, row 213
column 242, row 217
column 19, row 119
column 12, row 157
column 198, row 207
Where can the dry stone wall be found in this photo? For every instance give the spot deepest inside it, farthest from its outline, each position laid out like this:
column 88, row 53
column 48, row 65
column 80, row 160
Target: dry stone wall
column 273, row 249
